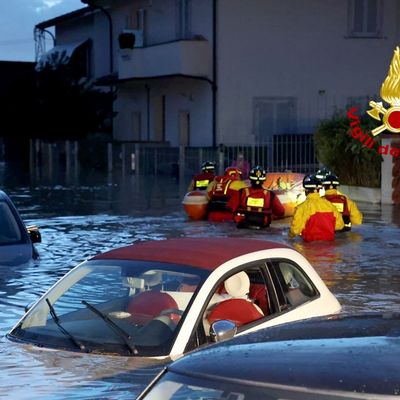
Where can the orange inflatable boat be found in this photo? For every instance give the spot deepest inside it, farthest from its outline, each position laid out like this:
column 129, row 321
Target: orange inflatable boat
column 288, row 186
column 195, row 204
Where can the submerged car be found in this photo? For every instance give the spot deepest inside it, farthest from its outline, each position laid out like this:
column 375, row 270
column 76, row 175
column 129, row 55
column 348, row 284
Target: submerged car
column 159, row 298
column 16, row 239
column 340, row 357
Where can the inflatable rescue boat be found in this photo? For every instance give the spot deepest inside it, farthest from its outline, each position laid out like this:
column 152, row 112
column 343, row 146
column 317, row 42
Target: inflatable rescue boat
column 288, row 186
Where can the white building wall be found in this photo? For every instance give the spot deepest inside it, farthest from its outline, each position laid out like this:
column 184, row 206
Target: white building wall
column 194, row 98
column 96, row 27
column 297, row 49
column 181, row 94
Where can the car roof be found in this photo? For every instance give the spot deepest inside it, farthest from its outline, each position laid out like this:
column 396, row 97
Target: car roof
column 4, row 196
column 357, row 353
column 206, row 253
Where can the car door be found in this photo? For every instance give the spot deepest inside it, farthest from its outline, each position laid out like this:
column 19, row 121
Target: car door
column 279, row 287
column 260, row 296
column 297, row 297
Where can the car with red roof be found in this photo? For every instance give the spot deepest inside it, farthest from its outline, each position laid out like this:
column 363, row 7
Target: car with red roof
column 162, row 298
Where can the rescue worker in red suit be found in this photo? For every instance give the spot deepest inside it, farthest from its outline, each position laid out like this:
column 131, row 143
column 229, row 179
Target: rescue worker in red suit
column 219, row 192
column 316, row 218
column 202, row 180
column 347, row 208
column 254, row 206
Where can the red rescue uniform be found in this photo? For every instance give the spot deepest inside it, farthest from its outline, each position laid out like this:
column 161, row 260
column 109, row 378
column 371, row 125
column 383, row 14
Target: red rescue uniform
column 254, row 206
column 316, row 219
column 201, row 181
column 219, row 193
column 347, row 208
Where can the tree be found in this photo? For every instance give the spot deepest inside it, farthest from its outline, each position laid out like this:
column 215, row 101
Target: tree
column 68, row 105
column 353, row 162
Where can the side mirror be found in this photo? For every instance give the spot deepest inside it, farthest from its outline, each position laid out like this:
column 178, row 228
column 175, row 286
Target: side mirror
column 34, row 234
column 222, row 330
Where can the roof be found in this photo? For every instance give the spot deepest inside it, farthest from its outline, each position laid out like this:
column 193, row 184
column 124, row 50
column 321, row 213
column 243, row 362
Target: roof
column 60, row 54
column 64, row 18
column 206, row 253
column 356, row 353
column 114, row 80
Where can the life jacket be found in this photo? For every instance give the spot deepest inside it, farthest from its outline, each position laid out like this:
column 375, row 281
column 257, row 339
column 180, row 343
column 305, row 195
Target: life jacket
column 255, row 207
column 219, row 194
column 320, row 226
column 201, row 181
column 340, row 202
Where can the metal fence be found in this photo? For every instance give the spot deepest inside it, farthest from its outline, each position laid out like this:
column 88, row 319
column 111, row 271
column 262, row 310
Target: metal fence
column 283, row 153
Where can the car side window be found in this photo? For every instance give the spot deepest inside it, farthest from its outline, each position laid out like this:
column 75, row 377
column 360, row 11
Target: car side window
column 241, row 297
column 9, row 229
column 295, row 285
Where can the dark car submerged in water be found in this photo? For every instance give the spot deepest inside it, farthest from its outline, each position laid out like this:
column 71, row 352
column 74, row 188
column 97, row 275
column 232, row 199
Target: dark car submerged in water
column 338, row 357
column 16, row 240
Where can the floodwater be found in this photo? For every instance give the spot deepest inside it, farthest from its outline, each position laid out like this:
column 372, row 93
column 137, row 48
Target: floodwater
column 77, row 221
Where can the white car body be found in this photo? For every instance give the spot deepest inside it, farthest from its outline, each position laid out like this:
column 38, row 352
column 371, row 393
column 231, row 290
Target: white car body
column 325, row 304
column 280, row 269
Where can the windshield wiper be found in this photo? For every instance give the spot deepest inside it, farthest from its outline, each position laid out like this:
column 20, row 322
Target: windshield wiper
column 56, row 320
column 118, row 330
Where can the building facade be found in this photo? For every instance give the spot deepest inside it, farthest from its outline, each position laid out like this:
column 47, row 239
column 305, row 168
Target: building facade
column 209, row 72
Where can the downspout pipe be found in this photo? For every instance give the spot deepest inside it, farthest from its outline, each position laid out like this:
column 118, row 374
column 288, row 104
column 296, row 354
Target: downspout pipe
column 214, row 76
column 93, row 6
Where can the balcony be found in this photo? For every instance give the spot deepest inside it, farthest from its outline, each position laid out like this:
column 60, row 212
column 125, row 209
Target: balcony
column 185, row 57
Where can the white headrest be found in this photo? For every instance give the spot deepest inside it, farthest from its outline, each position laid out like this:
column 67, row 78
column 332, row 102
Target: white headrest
column 289, row 278
column 131, row 282
column 152, row 278
column 238, row 285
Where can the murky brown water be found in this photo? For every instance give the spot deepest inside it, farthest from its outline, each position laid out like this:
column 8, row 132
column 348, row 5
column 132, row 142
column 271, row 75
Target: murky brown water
column 361, row 267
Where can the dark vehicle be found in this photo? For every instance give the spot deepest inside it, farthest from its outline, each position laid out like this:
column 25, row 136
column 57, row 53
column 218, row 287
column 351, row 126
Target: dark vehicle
column 16, row 240
column 337, row 357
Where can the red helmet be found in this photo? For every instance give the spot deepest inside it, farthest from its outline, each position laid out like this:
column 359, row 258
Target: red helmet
column 233, row 172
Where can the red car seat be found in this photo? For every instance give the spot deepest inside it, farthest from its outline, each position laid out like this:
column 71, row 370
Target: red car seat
column 258, row 293
column 145, row 306
column 238, row 309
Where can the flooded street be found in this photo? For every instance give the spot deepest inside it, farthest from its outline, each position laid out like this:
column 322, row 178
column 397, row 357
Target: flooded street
column 361, row 268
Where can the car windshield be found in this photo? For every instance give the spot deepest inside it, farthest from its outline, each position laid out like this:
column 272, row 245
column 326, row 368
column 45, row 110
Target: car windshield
column 10, row 232
column 117, row 307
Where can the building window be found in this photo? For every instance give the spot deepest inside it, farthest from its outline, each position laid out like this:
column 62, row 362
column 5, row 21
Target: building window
column 365, row 18
column 158, row 107
column 136, row 120
column 184, row 128
column 274, row 116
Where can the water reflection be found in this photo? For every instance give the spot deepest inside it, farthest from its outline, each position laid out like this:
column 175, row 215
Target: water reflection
column 76, row 222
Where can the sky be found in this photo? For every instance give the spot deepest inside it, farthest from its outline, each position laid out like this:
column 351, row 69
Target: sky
column 19, row 17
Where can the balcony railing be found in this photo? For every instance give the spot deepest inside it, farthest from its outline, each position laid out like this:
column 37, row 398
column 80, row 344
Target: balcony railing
column 185, row 57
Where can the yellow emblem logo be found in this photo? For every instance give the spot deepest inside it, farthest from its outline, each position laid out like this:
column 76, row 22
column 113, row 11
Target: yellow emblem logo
column 390, row 92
